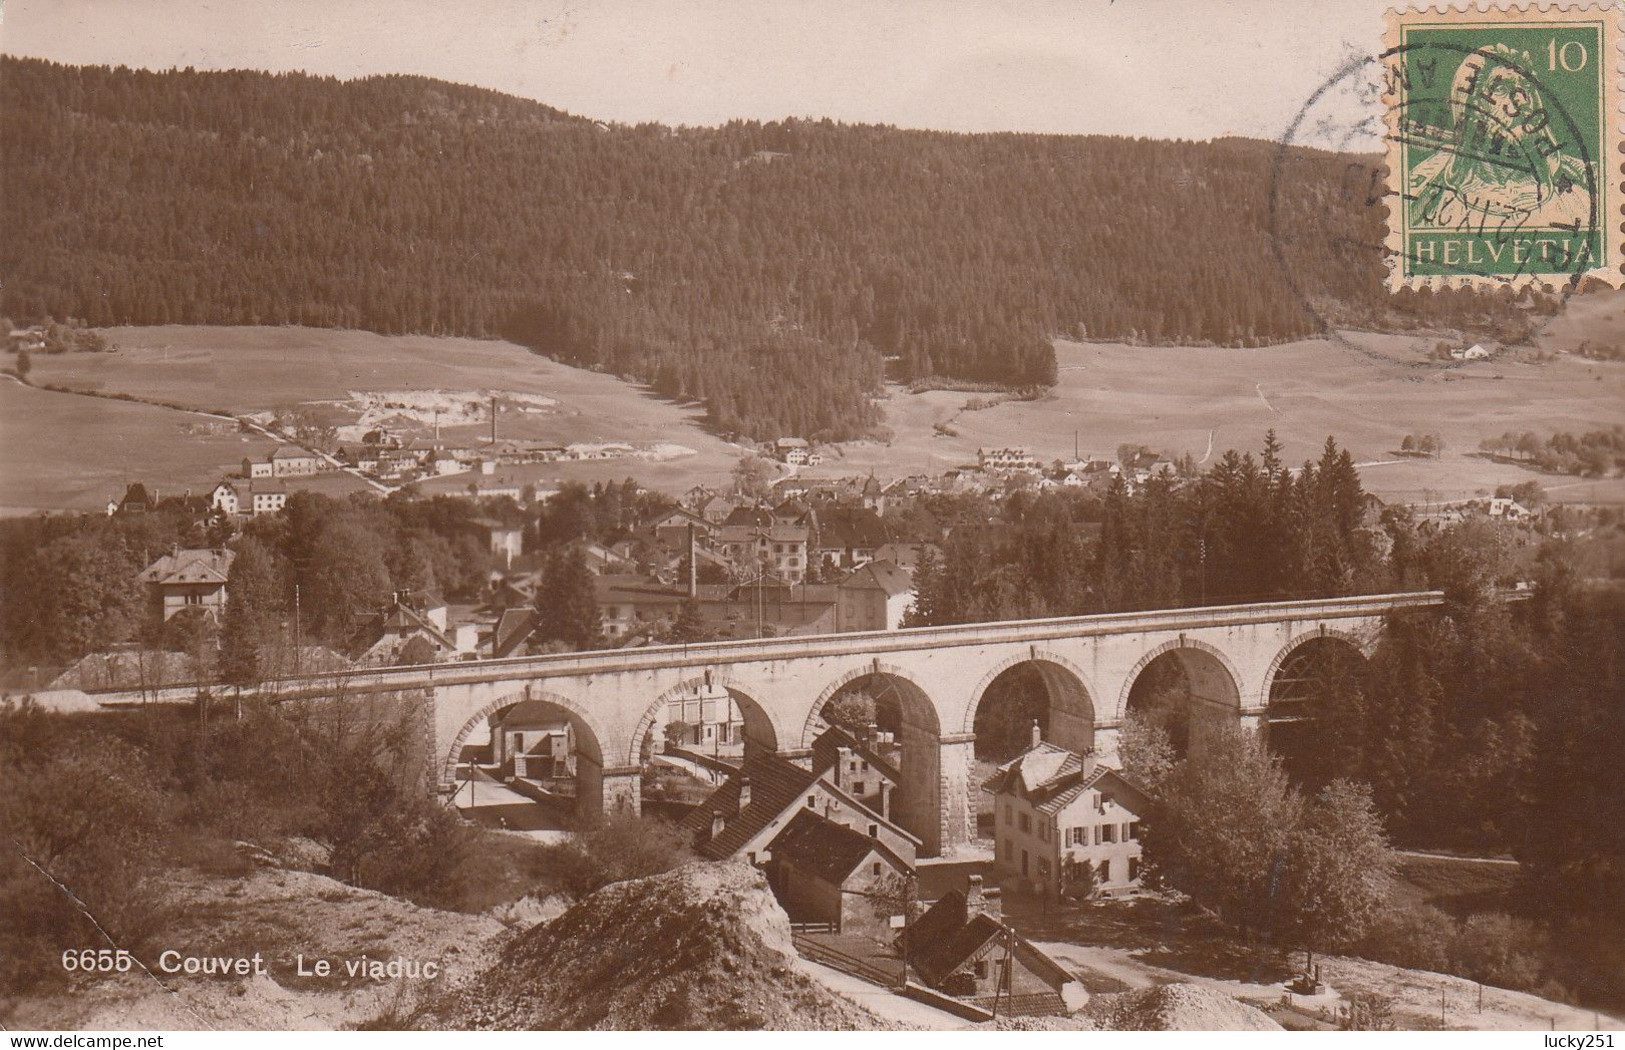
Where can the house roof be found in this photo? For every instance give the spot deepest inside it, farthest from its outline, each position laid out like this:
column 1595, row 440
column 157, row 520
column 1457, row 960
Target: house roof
column 843, row 527
column 775, row 785
column 885, row 575
column 748, row 516
column 827, row 850
column 1051, row 777
column 136, row 492
column 261, row 486
column 635, row 590
column 291, row 452
column 189, row 566
column 825, row 754
column 946, row 937
column 513, row 627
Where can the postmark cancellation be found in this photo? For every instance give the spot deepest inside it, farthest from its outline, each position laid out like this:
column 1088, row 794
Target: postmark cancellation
column 1503, row 131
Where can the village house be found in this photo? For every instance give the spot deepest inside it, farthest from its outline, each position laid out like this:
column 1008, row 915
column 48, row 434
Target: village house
column 1057, row 813
column 632, row 606
column 998, row 460
column 961, row 948
column 792, row 450
column 532, row 747
column 779, row 549
column 136, row 500
column 224, row 499
column 748, row 811
column 851, row 765
column 1142, row 466
column 672, row 528
column 285, row 461
column 874, row 597
column 708, row 720
column 827, row 874
column 849, row 536
column 717, row 508
column 1508, row 509
column 188, row 579
column 266, row 497
column 414, row 630
column 502, row 539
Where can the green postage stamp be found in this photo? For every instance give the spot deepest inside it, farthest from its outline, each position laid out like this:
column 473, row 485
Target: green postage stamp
column 1503, row 132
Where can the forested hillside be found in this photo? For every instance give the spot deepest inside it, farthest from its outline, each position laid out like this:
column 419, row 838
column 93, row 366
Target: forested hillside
column 773, row 270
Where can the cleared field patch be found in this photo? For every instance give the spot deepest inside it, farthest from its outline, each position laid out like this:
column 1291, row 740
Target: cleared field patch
column 67, row 452
column 1182, row 399
column 1368, row 391
column 256, row 369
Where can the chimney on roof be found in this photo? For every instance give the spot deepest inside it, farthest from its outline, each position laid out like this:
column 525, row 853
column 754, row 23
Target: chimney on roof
column 717, row 824
column 1038, row 734
column 843, row 755
column 744, row 793
column 974, row 902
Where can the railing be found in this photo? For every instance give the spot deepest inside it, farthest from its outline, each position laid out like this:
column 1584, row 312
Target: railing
column 865, row 643
column 1038, row 1004
column 835, row 959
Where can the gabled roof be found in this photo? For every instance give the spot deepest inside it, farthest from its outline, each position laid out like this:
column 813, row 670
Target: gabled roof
column 945, row 937
column 885, row 575
column 290, row 452
column 748, row 516
column 827, row 850
column 135, row 493
column 825, row 754
column 513, row 627
column 686, row 517
column 1051, row 777
column 845, row 527
column 189, row 566
column 775, row 785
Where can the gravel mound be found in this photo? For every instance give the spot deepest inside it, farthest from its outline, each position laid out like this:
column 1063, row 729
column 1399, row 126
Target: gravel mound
column 1177, row 1008
column 702, row 947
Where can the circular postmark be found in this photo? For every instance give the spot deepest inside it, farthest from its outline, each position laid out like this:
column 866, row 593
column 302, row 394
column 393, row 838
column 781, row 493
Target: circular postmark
column 1492, row 168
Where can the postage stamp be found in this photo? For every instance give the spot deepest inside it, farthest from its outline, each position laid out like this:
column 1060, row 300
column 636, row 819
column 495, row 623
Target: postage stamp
column 1503, row 138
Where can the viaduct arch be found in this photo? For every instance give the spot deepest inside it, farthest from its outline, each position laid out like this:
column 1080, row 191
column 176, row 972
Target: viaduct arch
column 1231, row 656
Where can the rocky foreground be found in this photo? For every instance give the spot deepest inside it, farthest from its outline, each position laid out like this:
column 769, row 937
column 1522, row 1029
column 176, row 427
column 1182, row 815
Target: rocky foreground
column 702, row 947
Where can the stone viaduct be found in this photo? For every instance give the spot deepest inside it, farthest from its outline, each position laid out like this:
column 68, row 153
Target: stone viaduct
column 617, row 700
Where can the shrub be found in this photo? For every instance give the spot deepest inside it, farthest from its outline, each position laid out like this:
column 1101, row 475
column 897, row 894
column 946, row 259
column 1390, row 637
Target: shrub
column 619, row 847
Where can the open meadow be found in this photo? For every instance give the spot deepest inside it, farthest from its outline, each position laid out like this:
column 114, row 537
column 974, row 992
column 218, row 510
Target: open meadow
column 1368, row 390
column 64, row 452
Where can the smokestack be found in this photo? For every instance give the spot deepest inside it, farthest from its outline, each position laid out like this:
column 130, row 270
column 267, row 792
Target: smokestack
column 1038, row 735
column 693, row 566
column 744, row 793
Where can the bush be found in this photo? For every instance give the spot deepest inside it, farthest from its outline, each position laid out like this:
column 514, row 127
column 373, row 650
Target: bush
column 1500, row 950
column 78, row 815
column 619, row 847
column 1493, row 949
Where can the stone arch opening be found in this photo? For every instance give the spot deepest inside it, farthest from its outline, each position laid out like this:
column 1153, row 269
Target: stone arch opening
column 1311, row 681
column 1186, row 689
column 539, row 747
column 692, row 737
column 1036, row 688
column 892, row 715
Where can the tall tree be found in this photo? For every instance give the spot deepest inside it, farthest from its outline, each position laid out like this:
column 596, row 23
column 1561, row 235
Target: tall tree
column 567, row 603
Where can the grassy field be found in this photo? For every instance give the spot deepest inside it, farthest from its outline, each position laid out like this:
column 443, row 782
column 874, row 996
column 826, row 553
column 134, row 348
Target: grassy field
column 1368, row 390
column 1179, row 399
column 61, row 451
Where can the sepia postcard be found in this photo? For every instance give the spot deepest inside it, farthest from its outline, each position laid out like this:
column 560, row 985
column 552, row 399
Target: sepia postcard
column 867, row 515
